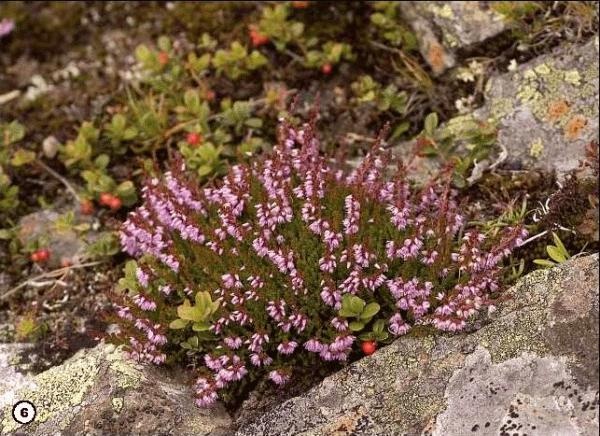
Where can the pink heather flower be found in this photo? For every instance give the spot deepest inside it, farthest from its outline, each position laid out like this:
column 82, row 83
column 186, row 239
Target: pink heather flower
column 206, row 394
column 233, row 342
column 144, row 303
column 287, row 347
column 397, row 325
column 340, row 324
column 260, row 359
column 165, row 289
column 279, row 377
column 313, row 345
column 213, row 363
column 352, row 208
column 276, row 310
column 6, row 26
column 124, row 313
column 278, row 244
column 142, row 277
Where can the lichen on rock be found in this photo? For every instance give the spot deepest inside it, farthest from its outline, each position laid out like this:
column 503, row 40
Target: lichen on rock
column 99, row 391
column 533, row 365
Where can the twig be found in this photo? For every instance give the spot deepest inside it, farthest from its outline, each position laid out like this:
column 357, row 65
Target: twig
column 49, row 274
column 59, row 178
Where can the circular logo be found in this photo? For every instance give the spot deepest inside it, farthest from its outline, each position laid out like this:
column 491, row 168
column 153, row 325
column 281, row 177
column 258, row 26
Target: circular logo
column 24, row 412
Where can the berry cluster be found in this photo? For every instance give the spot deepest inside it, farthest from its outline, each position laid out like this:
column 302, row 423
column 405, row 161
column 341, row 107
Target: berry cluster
column 292, row 259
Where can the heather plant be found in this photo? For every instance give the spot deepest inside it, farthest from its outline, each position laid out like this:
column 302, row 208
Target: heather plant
column 291, row 261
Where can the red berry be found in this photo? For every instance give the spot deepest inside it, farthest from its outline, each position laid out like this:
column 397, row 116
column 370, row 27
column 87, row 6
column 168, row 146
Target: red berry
column 44, row 254
column 300, row 5
column 105, row 198
column 163, row 58
column 368, row 347
column 326, row 69
column 115, row 203
column 194, row 138
column 210, row 95
column 258, row 38
column 40, row 255
column 86, row 207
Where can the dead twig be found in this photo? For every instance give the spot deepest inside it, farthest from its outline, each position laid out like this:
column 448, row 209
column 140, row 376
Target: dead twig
column 60, row 178
column 49, row 274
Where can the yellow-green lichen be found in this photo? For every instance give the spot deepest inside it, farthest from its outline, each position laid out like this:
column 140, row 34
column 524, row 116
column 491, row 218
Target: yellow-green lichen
column 536, row 148
column 500, row 107
column 573, row 77
column 442, row 11
column 542, row 86
column 59, row 391
column 458, row 126
column 127, row 374
column 117, row 404
column 542, row 69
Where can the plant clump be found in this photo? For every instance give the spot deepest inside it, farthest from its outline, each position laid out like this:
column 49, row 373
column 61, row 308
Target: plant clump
column 291, row 261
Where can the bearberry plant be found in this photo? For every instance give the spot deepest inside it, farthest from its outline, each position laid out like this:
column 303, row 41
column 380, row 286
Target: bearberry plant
column 291, row 260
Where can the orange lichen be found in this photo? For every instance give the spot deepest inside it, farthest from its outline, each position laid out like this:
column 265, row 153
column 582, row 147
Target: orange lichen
column 436, row 57
column 574, row 127
column 557, row 109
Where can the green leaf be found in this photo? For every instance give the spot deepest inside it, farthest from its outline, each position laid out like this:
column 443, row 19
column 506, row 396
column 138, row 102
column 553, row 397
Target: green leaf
column 188, row 312
column 22, row 157
column 356, row 326
column 400, row 129
column 143, row 54
column 380, row 336
column 201, row 326
column 544, row 262
column 127, row 193
column 378, row 326
column 431, row 123
column 555, row 254
column 178, row 324
column 164, row 43
column 368, row 336
column 560, row 245
column 346, row 313
column 357, row 304
column 10, row 133
column 369, row 311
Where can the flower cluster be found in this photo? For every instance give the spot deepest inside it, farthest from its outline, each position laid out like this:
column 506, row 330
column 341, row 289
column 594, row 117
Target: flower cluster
column 280, row 245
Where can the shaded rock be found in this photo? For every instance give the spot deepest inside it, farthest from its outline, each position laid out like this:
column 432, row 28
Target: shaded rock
column 546, row 111
column 461, row 24
column 99, row 392
column 532, row 369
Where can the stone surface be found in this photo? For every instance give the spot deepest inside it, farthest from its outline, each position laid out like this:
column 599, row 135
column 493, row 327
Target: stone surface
column 546, row 111
column 11, row 376
column 461, row 24
column 64, row 244
column 99, row 392
column 531, row 369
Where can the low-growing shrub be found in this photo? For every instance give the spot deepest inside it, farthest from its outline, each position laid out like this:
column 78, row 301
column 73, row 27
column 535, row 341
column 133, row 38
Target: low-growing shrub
column 290, row 261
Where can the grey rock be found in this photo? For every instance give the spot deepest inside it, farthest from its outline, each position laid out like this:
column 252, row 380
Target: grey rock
column 12, row 374
column 99, row 392
column 461, row 24
column 63, row 244
column 532, row 368
column 547, row 110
